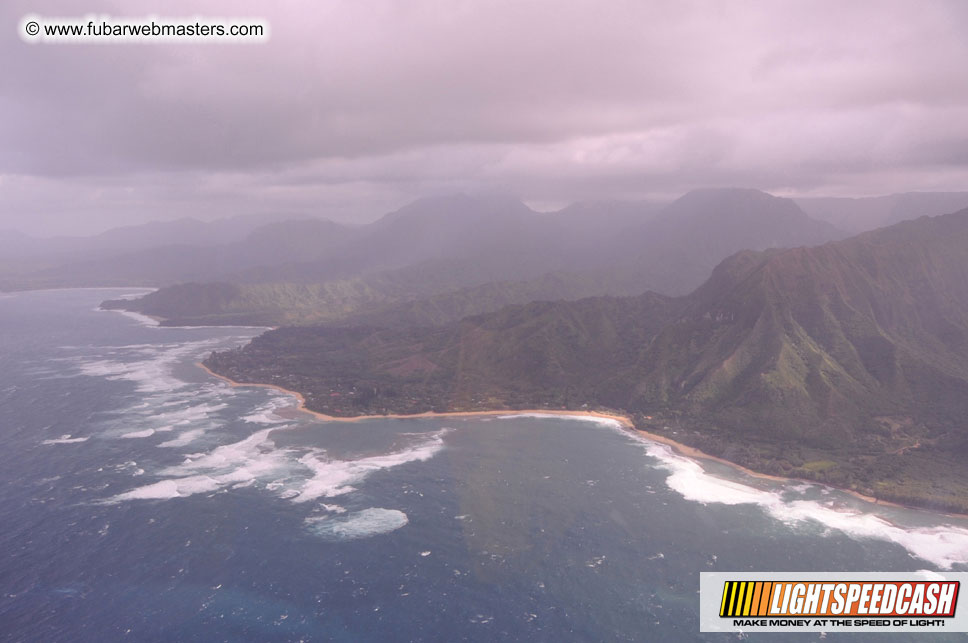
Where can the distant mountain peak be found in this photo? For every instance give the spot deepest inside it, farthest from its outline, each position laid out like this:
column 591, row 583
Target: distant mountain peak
column 459, row 205
column 733, row 199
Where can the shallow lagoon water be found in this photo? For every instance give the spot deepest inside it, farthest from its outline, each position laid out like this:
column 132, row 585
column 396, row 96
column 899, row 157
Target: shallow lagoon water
column 146, row 500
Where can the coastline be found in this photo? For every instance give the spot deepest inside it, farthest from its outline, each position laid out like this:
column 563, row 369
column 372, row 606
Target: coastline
column 626, row 422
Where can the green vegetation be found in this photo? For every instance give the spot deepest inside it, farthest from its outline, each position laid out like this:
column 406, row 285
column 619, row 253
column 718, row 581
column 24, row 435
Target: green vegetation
column 845, row 363
column 400, row 299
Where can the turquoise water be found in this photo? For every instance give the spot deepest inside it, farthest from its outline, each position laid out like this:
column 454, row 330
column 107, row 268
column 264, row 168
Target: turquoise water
column 143, row 499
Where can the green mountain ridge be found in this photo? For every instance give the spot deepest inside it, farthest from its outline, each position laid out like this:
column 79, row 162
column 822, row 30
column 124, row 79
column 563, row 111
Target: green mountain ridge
column 845, row 363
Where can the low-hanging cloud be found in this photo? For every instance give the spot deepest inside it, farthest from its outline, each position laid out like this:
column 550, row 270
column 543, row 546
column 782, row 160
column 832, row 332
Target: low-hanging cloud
column 352, row 108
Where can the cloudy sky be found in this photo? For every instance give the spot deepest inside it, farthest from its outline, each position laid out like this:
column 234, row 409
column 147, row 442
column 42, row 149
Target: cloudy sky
column 354, row 108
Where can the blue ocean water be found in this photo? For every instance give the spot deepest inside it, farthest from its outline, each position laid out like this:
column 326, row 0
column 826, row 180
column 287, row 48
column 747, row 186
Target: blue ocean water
column 142, row 499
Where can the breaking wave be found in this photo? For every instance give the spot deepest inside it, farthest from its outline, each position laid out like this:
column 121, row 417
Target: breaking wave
column 943, row 545
column 295, row 474
column 165, row 403
column 334, row 477
column 65, row 439
column 266, row 414
column 148, row 366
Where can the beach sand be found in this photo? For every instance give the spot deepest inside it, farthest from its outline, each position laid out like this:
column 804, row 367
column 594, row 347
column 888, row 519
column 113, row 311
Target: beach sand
column 678, row 447
column 626, row 422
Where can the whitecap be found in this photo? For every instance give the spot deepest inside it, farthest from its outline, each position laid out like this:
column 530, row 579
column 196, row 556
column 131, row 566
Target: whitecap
column 266, row 414
column 335, row 477
column 150, row 368
column 359, row 524
column 183, row 439
column 168, row 489
column 282, row 471
column 147, row 433
column 236, row 465
column 65, row 439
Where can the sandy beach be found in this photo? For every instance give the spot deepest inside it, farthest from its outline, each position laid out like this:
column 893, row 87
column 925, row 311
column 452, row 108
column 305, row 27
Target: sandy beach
column 678, row 447
column 626, row 422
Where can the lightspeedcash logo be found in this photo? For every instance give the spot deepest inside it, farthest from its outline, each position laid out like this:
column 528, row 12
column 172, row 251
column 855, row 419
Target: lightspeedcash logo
column 831, row 602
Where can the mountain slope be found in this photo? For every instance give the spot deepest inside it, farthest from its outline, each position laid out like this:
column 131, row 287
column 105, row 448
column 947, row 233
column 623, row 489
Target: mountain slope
column 846, row 362
column 815, row 340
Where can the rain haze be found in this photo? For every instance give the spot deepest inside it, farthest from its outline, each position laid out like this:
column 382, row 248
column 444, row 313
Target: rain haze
column 353, row 109
column 480, row 320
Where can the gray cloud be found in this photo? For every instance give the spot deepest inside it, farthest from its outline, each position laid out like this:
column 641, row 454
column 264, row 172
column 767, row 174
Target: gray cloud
column 354, row 108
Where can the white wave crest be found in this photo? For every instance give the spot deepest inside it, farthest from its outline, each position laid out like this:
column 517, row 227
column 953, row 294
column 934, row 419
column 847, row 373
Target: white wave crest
column 168, row 489
column 150, row 365
column 335, row 477
column 65, row 439
column 256, row 459
column 237, row 464
column 943, row 545
column 266, row 414
column 185, row 438
column 147, row 433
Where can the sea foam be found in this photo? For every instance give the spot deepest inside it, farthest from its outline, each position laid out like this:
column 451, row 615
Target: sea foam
column 65, row 439
column 147, row 433
column 336, row 477
column 266, row 414
column 184, row 439
column 943, row 545
column 165, row 402
column 234, row 464
column 148, row 366
column 299, row 475
column 359, row 524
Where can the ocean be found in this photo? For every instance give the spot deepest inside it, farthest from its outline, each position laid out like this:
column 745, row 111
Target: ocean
column 142, row 499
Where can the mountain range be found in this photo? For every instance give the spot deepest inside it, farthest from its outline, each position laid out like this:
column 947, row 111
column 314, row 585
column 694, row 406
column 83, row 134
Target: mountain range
column 845, row 362
column 458, row 255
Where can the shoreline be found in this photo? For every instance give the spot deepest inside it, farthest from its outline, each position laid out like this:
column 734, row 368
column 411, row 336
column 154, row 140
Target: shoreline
column 678, row 447
column 623, row 420
column 694, row 453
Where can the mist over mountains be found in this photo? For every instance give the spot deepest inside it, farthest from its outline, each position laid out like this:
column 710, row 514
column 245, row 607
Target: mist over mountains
column 855, row 215
column 462, row 255
column 623, row 247
column 437, row 259
column 843, row 362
